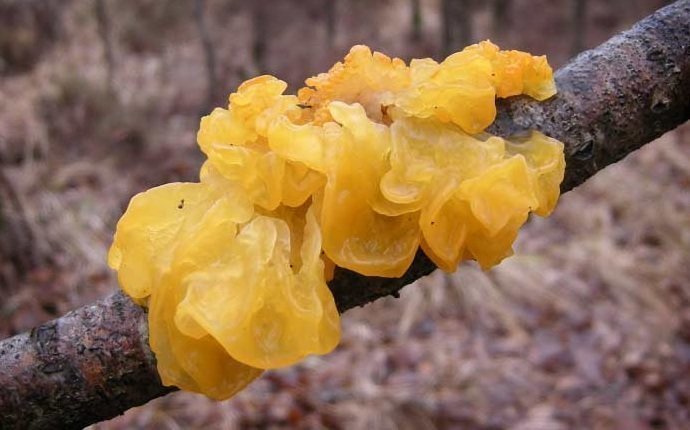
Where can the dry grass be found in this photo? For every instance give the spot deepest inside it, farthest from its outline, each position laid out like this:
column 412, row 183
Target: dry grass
column 587, row 326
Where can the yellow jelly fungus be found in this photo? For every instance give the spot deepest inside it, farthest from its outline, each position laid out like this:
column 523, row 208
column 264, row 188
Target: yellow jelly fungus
column 366, row 164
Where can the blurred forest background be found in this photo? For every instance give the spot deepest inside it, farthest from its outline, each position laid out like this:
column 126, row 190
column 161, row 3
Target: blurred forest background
column 587, row 326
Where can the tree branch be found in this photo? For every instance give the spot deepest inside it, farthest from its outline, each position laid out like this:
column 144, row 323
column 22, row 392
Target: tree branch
column 95, row 363
column 611, row 100
column 87, row 366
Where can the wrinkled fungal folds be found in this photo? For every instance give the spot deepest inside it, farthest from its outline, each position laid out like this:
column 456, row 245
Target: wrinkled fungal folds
column 363, row 166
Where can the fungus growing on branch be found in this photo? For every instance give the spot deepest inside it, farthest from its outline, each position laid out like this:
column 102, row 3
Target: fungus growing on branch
column 366, row 164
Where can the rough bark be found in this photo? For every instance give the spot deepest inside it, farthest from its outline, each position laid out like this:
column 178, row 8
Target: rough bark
column 91, row 364
column 615, row 98
column 95, row 363
column 611, row 100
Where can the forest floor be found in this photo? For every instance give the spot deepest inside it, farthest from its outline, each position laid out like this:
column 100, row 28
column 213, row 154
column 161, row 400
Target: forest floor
column 586, row 326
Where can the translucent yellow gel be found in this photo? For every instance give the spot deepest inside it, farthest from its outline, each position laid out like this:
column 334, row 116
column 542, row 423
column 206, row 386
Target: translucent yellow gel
column 368, row 162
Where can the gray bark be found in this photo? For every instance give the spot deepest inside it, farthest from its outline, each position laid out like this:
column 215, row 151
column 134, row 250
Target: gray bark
column 95, row 363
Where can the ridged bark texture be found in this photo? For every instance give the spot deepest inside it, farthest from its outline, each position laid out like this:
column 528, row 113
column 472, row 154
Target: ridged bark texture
column 95, row 363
